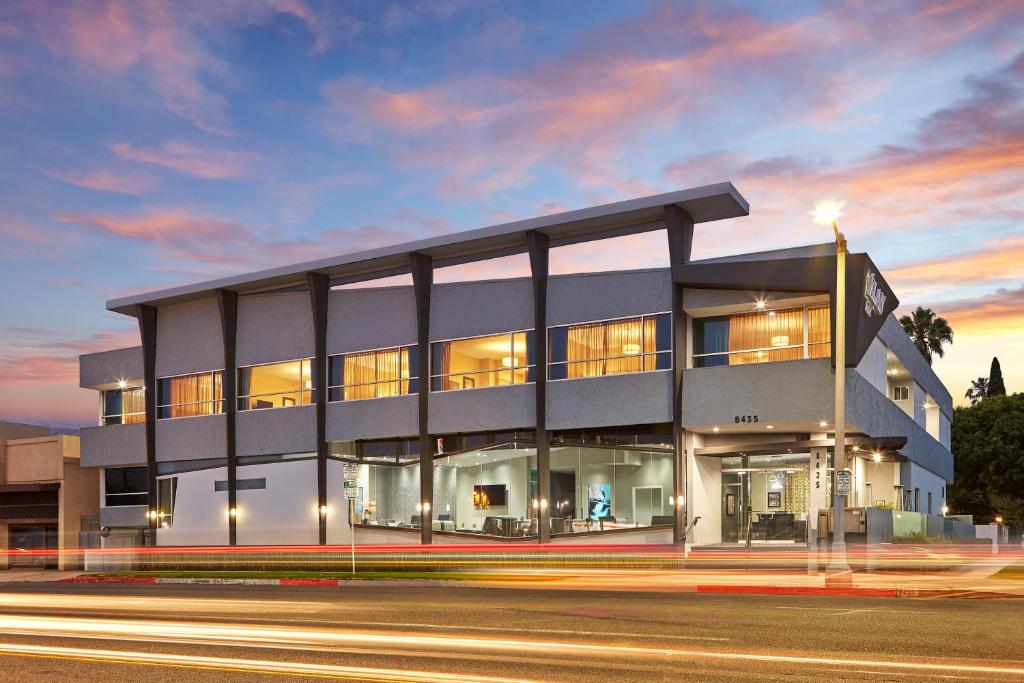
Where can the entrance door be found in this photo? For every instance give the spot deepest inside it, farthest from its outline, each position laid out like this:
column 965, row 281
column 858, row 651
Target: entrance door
column 765, row 498
column 647, row 502
column 26, row 542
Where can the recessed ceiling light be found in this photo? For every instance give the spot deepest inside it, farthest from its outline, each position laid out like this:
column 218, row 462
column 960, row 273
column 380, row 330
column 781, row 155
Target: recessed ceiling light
column 715, row 430
column 759, row 305
column 823, row 424
column 769, row 426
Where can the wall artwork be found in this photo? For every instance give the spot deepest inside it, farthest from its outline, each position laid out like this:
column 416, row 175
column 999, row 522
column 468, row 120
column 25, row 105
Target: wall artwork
column 730, row 504
column 775, row 499
column 599, row 503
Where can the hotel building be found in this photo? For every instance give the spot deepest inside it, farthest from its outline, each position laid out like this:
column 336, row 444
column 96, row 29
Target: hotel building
column 288, row 406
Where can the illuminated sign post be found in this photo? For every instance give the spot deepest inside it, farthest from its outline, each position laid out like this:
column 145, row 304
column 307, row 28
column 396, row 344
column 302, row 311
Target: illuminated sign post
column 351, row 487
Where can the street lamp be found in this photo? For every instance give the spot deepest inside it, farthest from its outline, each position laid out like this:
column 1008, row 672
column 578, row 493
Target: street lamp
column 827, row 213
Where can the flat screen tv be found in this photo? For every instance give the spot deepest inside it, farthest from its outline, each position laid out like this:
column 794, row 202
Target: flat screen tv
column 486, row 496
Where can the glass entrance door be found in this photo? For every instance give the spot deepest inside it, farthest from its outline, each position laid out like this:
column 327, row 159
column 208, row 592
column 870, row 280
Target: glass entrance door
column 765, row 498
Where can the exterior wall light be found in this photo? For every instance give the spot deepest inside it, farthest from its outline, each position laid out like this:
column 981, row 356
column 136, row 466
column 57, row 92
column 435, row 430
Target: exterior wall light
column 322, row 510
column 823, row 424
column 945, row 510
column 232, row 512
column 716, row 429
column 769, row 426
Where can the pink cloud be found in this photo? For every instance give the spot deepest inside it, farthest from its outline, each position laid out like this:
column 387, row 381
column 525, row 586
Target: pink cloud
column 192, row 160
column 106, row 180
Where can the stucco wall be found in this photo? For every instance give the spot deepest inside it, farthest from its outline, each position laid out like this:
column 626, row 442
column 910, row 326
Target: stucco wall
column 285, row 512
column 377, row 418
column 114, row 445
column 636, row 398
column 276, row 430
column 471, row 309
column 188, row 338
column 274, row 327
column 873, row 366
column 124, row 516
column 392, row 310
column 602, row 296
column 191, row 438
column 896, row 339
column 715, row 396
column 32, row 460
column 103, row 370
column 474, row 410
column 200, row 512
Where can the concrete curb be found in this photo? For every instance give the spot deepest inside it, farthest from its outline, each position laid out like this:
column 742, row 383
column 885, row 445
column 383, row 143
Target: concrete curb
column 720, row 589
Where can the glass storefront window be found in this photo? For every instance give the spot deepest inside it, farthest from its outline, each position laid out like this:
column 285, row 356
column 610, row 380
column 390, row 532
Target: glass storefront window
column 762, row 337
column 373, row 374
column 611, row 347
column 388, row 495
column 190, row 395
column 123, row 406
column 492, row 361
column 125, row 486
column 276, row 385
column 766, row 497
column 490, row 491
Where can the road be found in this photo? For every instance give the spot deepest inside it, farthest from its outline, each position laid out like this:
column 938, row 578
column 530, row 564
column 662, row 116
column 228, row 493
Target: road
column 81, row 632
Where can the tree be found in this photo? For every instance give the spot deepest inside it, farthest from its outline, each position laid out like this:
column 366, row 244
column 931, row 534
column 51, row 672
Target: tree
column 995, row 380
column 978, row 390
column 988, row 451
column 928, row 332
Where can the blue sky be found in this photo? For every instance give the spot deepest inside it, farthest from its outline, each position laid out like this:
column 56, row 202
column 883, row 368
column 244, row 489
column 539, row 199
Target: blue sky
column 147, row 144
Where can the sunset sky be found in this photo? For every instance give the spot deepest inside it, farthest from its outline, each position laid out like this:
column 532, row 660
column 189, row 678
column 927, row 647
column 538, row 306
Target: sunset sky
column 145, row 145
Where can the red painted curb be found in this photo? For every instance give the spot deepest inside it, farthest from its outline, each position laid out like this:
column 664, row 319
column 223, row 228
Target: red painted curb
column 801, row 590
column 307, row 582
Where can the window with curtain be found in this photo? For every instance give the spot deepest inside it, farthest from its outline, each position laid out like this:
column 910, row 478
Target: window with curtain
column 762, row 337
column 491, row 361
column 373, row 374
column 610, row 347
column 124, row 406
column 190, row 395
column 276, row 385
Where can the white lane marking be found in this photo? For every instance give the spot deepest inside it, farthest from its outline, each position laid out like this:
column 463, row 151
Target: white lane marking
column 246, row 665
column 240, row 633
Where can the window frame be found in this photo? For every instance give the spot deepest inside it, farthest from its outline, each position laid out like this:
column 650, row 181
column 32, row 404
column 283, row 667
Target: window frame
column 642, row 355
column 241, row 401
column 805, row 343
column 104, row 416
column 512, row 370
column 219, row 402
column 106, row 490
column 341, row 387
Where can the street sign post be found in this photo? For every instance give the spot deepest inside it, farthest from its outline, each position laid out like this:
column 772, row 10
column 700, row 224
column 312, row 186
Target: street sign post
column 844, row 482
column 351, row 487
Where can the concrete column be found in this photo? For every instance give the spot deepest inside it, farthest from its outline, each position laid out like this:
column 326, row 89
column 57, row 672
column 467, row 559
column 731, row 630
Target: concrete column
column 319, row 293
column 422, row 268
column 147, row 317
column 227, row 302
column 679, row 227
column 538, row 247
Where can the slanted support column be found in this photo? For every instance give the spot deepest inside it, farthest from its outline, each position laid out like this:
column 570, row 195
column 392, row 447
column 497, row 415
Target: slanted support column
column 227, row 302
column 538, row 246
column 319, row 291
column 422, row 268
column 679, row 227
column 147, row 330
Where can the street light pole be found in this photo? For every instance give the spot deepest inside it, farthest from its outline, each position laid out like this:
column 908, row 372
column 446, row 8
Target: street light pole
column 829, row 212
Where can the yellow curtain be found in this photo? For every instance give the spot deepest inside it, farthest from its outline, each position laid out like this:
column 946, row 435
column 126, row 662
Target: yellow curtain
column 624, row 341
column 650, row 343
column 767, row 332
column 133, row 405
column 819, row 332
column 195, row 395
column 377, row 373
column 360, row 375
column 586, row 350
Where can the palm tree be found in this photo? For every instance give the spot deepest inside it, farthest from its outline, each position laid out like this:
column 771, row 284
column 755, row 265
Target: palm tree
column 978, row 390
column 928, row 332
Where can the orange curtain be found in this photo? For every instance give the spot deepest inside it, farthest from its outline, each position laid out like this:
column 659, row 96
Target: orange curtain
column 819, row 332
column 650, row 343
column 624, row 341
column 195, row 395
column 377, row 373
column 767, row 333
column 133, row 405
column 360, row 375
column 586, row 350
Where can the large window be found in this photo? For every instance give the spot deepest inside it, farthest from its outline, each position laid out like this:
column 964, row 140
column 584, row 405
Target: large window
column 373, row 374
column 276, row 385
column 762, row 336
column 125, row 486
column 611, row 347
column 190, row 395
column 123, row 406
column 493, row 361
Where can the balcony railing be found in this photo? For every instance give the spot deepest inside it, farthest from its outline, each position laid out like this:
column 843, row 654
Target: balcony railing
column 767, row 354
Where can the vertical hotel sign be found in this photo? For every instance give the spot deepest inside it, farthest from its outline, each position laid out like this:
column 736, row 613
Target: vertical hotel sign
column 874, row 297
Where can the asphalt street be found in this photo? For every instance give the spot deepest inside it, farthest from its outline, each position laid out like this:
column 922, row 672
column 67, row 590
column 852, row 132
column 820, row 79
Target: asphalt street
column 83, row 632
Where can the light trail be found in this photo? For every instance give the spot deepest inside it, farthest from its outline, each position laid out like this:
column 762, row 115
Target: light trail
column 242, row 635
column 246, row 665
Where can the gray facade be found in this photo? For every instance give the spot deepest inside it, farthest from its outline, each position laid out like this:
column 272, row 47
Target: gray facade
column 792, row 398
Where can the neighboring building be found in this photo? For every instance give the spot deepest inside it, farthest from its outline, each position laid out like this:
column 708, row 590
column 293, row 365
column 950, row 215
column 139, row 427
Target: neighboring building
column 641, row 400
column 45, row 497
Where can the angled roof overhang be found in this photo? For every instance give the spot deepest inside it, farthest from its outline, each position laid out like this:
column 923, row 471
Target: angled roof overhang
column 703, row 204
column 869, row 299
